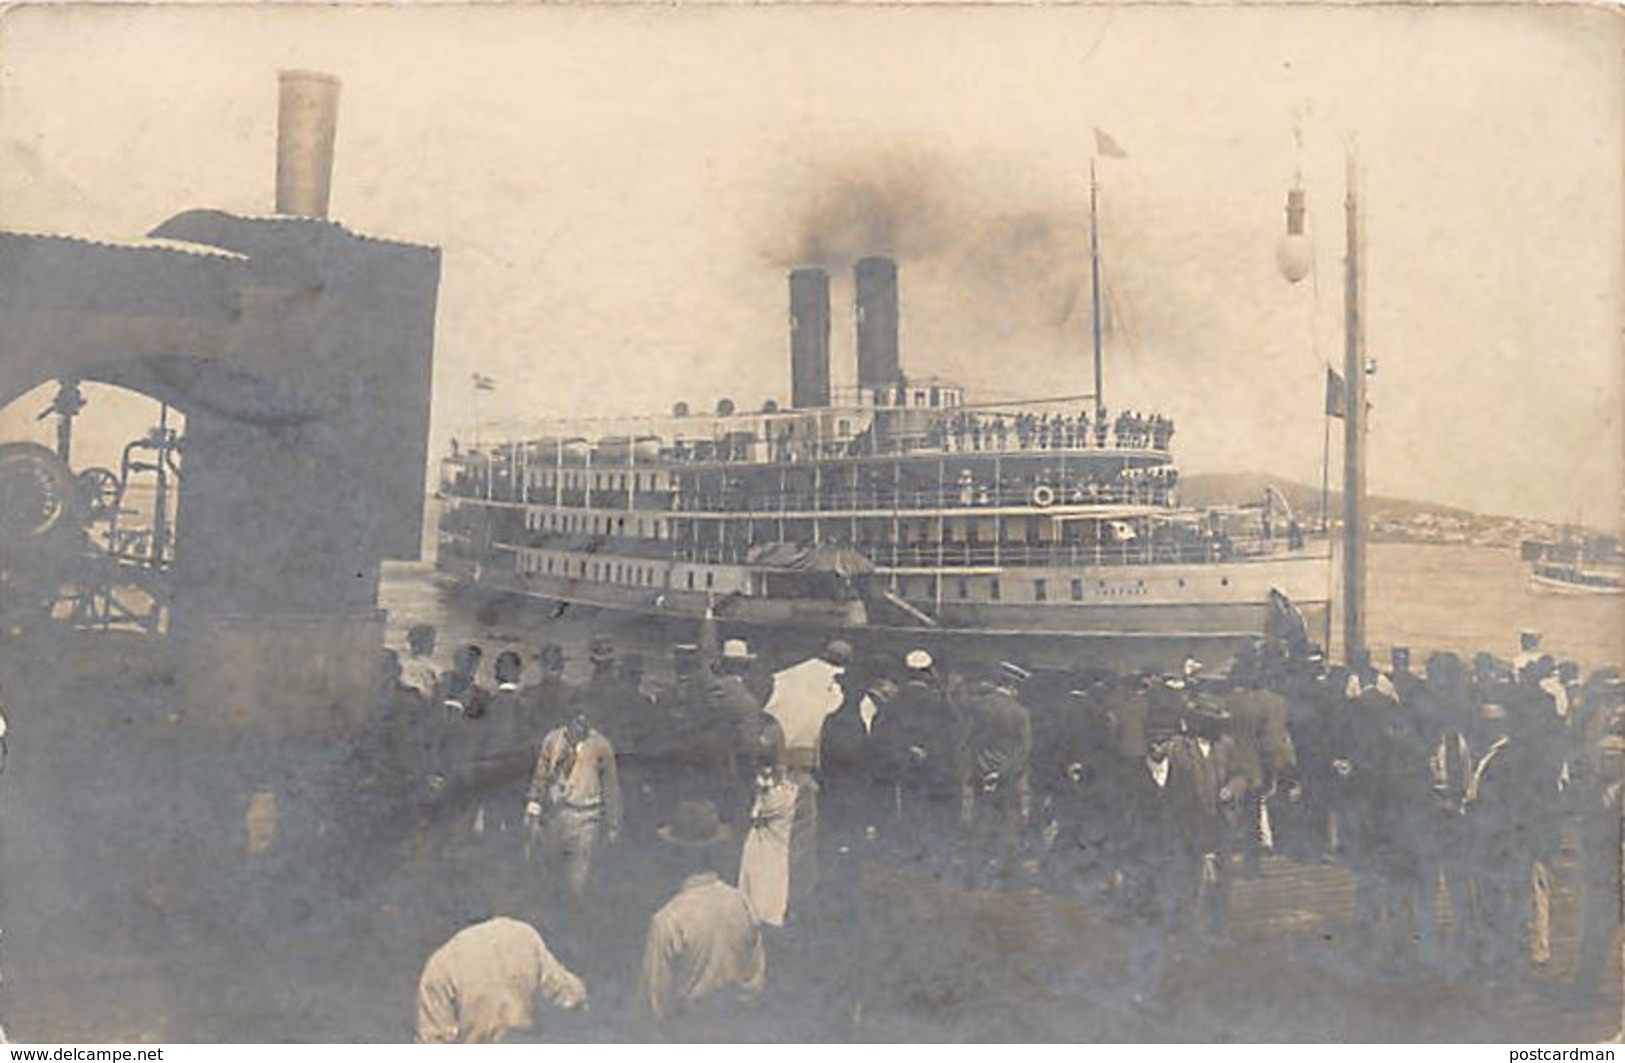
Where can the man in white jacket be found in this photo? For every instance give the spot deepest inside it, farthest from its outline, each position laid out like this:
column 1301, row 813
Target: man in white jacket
column 803, row 695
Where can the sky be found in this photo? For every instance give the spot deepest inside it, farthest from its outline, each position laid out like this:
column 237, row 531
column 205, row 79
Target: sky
column 620, row 191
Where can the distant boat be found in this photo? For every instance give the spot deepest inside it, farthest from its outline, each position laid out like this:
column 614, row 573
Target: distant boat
column 1577, row 564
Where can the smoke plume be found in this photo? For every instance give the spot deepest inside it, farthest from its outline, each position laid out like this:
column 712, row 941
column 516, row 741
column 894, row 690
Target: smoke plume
column 1013, row 257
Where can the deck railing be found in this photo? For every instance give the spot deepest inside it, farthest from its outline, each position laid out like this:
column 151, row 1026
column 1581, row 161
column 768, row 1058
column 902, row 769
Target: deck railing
column 799, row 436
column 838, row 499
column 969, row 498
column 949, row 556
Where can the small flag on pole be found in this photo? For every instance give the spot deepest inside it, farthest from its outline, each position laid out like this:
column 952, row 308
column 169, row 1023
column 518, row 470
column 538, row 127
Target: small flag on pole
column 1106, row 147
column 1334, row 393
column 484, row 383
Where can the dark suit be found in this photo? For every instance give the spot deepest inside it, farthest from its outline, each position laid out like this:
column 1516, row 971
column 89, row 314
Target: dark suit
column 620, row 712
column 1164, row 833
column 996, row 784
column 732, row 708
column 851, row 788
column 916, row 744
column 1502, row 827
column 1600, row 855
column 545, row 708
column 1226, row 784
column 1085, row 786
column 1258, row 724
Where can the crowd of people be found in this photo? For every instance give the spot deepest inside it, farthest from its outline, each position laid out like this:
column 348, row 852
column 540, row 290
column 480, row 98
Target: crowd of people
column 972, row 430
column 1142, row 795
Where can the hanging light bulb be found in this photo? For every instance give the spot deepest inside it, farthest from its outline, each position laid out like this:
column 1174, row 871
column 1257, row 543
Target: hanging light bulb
column 1294, row 255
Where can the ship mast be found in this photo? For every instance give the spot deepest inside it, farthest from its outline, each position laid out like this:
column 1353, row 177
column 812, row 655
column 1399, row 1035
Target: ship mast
column 1094, row 276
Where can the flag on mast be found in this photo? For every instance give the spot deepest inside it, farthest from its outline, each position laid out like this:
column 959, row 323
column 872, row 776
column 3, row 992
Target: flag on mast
column 1335, row 400
column 1106, row 147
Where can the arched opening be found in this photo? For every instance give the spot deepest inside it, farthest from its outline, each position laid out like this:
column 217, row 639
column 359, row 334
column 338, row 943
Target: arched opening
column 98, row 531
column 90, row 478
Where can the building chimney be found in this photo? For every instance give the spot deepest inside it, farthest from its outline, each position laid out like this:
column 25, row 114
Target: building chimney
column 307, row 117
column 809, row 337
column 875, row 280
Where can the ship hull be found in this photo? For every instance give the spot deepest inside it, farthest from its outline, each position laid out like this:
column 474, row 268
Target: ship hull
column 1174, row 611
column 1558, row 585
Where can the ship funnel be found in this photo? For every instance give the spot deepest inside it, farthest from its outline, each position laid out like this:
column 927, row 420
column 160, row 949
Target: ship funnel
column 809, row 337
column 307, row 118
column 875, row 281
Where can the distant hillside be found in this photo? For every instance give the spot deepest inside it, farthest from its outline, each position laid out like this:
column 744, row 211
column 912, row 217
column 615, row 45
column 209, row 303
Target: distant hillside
column 1400, row 519
column 1241, row 488
column 1237, row 488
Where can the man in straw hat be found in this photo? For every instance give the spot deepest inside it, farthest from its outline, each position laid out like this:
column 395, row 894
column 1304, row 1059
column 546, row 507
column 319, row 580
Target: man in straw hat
column 704, row 964
column 732, row 700
column 736, row 661
column 914, row 741
column 727, row 688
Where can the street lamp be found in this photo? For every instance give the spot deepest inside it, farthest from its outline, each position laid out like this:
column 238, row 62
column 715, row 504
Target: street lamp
column 1294, row 255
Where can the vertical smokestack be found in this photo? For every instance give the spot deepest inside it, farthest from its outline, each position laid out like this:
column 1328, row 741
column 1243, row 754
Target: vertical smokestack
column 809, row 337
column 307, row 117
column 876, row 283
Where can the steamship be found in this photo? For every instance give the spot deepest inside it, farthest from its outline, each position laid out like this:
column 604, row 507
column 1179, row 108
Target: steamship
column 1577, row 564
column 899, row 510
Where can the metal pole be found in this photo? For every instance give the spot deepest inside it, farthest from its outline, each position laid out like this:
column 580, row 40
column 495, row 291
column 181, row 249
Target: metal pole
column 160, row 500
column 1325, row 472
column 1353, row 430
column 64, row 424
